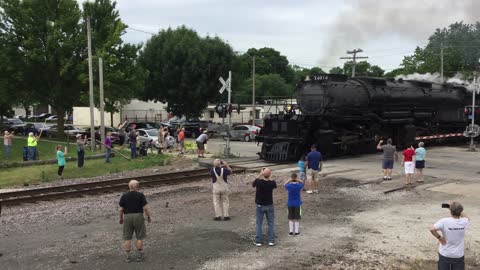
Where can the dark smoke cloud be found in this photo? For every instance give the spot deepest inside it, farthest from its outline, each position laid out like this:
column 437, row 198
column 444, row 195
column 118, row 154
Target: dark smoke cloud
column 363, row 21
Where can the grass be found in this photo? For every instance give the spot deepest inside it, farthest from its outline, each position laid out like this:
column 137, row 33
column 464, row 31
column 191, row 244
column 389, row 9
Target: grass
column 46, row 149
column 22, row 176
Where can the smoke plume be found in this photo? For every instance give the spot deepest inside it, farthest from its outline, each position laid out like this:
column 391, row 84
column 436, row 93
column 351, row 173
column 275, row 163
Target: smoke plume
column 459, row 78
column 372, row 20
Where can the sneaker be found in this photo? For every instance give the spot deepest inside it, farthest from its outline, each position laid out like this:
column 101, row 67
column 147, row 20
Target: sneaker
column 315, row 191
column 290, row 233
column 257, row 244
column 217, row 218
column 389, row 178
column 226, row 218
column 271, row 244
column 309, row 191
column 139, row 256
column 385, row 178
column 128, row 258
column 297, row 234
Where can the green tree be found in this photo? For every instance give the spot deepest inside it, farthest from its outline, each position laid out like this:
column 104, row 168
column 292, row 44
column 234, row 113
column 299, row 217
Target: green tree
column 267, row 61
column 47, row 41
column 336, row 70
column 269, row 86
column 461, row 43
column 363, row 68
column 301, row 73
column 183, row 69
column 123, row 76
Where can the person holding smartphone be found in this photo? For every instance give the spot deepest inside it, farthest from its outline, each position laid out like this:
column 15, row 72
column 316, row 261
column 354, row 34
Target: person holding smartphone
column 451, row 248
column 219, row 174
column 264, row 199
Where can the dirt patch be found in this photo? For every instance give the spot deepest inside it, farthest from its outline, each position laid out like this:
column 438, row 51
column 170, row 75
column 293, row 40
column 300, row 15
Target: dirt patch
column 345, row 226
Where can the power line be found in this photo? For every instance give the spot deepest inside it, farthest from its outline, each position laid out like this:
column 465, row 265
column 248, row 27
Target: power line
column 141, row 31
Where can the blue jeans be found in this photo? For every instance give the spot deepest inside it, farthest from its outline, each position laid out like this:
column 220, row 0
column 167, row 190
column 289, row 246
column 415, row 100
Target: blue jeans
column 133, row 150
column 81, row 158
column 269, row 212
column 31, row 153
column 7, row 151
column 107, row 156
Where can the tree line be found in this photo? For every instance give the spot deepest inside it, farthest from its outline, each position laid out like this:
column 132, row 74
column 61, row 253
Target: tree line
column 43, row 60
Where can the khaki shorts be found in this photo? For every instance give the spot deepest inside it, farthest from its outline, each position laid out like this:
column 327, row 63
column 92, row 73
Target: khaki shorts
column 134, row 222
column 313, row 175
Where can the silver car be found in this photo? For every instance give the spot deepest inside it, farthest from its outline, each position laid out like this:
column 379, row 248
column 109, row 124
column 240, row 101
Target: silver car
column 147, row 135
column 242, row 132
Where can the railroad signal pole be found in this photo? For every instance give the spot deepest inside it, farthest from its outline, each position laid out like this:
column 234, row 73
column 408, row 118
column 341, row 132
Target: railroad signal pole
column 354, row 58
column 472, row 128
column 227, row 85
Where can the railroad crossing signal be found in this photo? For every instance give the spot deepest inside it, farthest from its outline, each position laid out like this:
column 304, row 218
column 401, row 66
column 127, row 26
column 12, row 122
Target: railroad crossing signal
column 225, row 85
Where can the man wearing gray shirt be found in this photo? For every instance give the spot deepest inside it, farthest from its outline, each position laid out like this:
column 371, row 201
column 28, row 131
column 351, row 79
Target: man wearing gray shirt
column 389, row 155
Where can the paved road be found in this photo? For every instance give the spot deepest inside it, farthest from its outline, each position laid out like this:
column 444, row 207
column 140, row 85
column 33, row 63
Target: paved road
column 238, row 148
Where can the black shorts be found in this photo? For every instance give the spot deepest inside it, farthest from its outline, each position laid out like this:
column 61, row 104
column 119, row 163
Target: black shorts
column 294, row 213
column 420, row 164
column 200, row 145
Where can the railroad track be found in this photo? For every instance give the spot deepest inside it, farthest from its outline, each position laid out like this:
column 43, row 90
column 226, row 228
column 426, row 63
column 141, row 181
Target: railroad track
column 89, row 188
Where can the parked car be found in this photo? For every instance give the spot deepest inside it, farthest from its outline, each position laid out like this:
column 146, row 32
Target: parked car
column 52, row 118
column 241, row 132
column 140, row 125
column 147, row 135
column 69, row 130
column 31, row 127
column 40, row 117
column 193, row 127
column 12, row 124
column 114, row 134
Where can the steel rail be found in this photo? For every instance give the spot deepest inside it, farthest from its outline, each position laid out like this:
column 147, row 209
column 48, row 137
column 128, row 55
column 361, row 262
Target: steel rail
column 88, row 188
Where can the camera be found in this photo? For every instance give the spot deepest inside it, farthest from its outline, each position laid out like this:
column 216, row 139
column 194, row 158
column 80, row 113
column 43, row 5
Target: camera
column 445, row 205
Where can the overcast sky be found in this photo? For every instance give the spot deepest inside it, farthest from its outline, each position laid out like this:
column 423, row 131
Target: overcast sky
column 308, row 32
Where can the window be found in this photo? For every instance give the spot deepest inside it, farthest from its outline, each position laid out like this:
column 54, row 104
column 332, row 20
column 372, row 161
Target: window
column 212, row 114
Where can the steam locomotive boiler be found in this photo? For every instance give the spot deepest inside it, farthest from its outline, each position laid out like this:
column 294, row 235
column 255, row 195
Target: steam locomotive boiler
column 350, row 115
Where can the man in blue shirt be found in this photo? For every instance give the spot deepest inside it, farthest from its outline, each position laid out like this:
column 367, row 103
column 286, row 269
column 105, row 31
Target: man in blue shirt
column 314, row 165
column 294, row 188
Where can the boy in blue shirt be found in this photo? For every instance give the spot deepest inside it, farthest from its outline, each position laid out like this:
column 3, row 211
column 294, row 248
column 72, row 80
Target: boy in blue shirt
column 294, row 188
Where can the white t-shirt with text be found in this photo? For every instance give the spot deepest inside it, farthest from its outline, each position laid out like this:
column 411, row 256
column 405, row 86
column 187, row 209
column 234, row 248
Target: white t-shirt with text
column 454, row 233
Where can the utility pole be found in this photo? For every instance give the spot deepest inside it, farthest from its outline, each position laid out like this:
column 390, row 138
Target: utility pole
column 102, row 105
column 354, row 58
column 441, row 62
column 90, row 79
column 474, row 93
column 254, row 115
column 229, row 89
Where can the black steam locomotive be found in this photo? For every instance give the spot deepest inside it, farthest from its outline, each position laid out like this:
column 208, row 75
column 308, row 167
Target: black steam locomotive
column 350, row 115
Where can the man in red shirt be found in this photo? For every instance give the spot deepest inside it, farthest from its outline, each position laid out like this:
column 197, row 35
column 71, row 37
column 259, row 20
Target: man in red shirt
column 408, row 155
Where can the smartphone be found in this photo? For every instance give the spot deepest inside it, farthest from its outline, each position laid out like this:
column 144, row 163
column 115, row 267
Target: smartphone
column 445, row 205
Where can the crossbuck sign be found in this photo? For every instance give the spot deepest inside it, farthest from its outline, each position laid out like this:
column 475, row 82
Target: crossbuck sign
column 225, row 85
